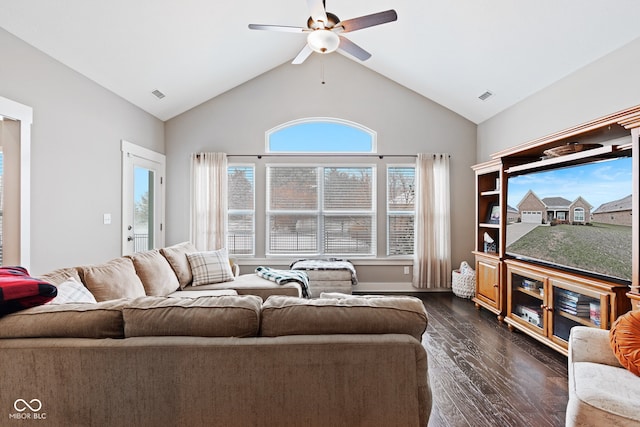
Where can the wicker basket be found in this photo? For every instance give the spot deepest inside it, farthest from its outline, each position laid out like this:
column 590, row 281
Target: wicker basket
column 463, row 285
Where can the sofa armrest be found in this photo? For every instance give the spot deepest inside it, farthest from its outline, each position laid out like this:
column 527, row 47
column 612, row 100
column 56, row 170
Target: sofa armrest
column 591, row 345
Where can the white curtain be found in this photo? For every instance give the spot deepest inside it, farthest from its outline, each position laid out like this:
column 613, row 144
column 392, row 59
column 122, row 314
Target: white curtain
column 432, row 252
column 209, row 200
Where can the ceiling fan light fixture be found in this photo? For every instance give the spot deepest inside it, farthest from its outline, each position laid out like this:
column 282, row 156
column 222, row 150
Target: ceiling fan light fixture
column 323, row 41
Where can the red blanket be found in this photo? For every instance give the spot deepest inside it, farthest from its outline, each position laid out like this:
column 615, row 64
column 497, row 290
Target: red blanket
column 18, row 290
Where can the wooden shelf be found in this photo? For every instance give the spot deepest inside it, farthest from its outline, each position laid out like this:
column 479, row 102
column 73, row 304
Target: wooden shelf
column 487, row 225
column 582, row 320
column 533, row 294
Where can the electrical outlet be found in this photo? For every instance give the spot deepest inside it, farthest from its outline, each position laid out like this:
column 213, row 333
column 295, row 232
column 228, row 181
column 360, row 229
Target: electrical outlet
column 406, row 269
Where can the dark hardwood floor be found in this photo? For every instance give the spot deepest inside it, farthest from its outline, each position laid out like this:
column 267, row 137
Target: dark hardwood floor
column 482, row 374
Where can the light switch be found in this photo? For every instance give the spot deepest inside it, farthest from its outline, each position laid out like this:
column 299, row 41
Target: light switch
column 106, row 219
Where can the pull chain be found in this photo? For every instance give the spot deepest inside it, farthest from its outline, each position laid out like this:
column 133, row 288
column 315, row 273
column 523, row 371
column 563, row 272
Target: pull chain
column 322, row 71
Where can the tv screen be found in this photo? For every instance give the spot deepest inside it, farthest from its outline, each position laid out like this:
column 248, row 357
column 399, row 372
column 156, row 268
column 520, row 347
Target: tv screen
column 576, row 218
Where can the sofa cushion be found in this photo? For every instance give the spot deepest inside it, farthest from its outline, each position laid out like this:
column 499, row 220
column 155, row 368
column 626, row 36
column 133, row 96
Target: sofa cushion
column 114, row 279
column 18, row 290
column 72, row 291
column 210, row 267
column 61, row 275
column 624, row 337
column 283, row 315
column 101, row 320
column 176, row 255
column 223, row 316
column 155, row 272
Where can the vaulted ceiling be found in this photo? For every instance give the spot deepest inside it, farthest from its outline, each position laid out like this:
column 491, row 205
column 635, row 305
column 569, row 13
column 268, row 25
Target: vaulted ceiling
column 451, row 51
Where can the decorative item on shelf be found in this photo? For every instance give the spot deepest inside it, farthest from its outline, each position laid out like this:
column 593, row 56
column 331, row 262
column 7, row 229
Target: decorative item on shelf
column 463, row 281
column 493, row 214
column 594, row 313
column 569, row 148
column 490, row 245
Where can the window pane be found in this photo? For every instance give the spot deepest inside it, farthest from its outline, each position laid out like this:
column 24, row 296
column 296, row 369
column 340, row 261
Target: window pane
column 241, row 210
column 401, row 232
column 348, row 189
column 400, row 209
column 144, row 208
column 321, row 136
column 401, row 188
column 241, row 233
column 348, row 235
column 292, row 188
column 293, row 234
column 240, row 184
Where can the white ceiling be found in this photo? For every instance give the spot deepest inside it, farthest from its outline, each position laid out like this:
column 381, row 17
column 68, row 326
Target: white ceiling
column 450, row 51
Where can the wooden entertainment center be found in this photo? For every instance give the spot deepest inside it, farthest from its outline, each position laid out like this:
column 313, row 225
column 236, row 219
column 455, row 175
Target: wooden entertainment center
column 540, row 300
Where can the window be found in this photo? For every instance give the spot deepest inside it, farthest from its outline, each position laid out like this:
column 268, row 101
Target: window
column 400, row 209
column 321, row 210
column 578, row 214
column 321, row 135
column 241, row 210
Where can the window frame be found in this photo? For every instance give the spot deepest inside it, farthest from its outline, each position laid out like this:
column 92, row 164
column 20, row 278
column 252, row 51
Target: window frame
column 389, row 212
column 310, row 120
column 252, row 211
column 320, row 213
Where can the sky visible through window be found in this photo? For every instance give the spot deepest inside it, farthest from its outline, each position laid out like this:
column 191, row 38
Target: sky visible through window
column 597, row 183
column 321, row 137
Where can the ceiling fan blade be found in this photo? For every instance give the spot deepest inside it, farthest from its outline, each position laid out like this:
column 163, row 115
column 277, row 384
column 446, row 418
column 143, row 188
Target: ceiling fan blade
column 282, row 28
column 316, row 8
column 304, row 54
column 368, row 20
column 353, row 49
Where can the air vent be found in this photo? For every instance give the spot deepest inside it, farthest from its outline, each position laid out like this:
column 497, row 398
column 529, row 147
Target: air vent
column 485, row 96
column 158, row 94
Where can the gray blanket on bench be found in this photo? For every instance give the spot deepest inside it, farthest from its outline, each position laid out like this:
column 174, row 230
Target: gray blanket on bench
column 285, row 276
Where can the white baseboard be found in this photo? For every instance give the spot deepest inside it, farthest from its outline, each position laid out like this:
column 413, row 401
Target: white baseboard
column 393, row 287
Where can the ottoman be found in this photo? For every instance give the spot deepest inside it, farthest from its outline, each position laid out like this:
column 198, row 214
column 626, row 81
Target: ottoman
column 327, row 275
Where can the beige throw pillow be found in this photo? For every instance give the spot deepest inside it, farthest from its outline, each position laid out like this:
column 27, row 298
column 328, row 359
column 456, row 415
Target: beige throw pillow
column 176, row 255
column 157, row 276
column 113, row 280
column 210, row 267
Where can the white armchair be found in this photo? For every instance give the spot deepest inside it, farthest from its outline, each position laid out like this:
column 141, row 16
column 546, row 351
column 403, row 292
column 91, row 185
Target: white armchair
column 601, row 391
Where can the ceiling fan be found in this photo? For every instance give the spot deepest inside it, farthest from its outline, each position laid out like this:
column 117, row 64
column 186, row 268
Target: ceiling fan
column 325, row 31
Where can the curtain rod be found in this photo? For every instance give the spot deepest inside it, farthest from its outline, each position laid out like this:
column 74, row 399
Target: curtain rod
column 380, row 156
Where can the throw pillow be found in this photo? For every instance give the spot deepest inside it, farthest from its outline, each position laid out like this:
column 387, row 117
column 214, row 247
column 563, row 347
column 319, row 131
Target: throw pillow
column 177, row 257
column 156, row 274
column 210, row 267
column 624, row 338
column 113, row 280
column 72, row 291
column 18, row 290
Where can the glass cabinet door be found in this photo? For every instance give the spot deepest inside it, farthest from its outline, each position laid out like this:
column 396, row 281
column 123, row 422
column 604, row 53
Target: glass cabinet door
column 572, row 306
column 527, row 299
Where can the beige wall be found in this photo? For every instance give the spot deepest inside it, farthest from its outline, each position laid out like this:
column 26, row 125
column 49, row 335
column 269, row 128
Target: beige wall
column 405, row 122
column 75, row 155
column 608, row 85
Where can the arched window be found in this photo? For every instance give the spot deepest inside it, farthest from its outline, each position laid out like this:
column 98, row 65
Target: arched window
column 320, row 135
column 578, row 215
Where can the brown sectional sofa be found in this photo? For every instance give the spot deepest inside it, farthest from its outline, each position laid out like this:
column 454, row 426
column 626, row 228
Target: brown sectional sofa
column 229, row 360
